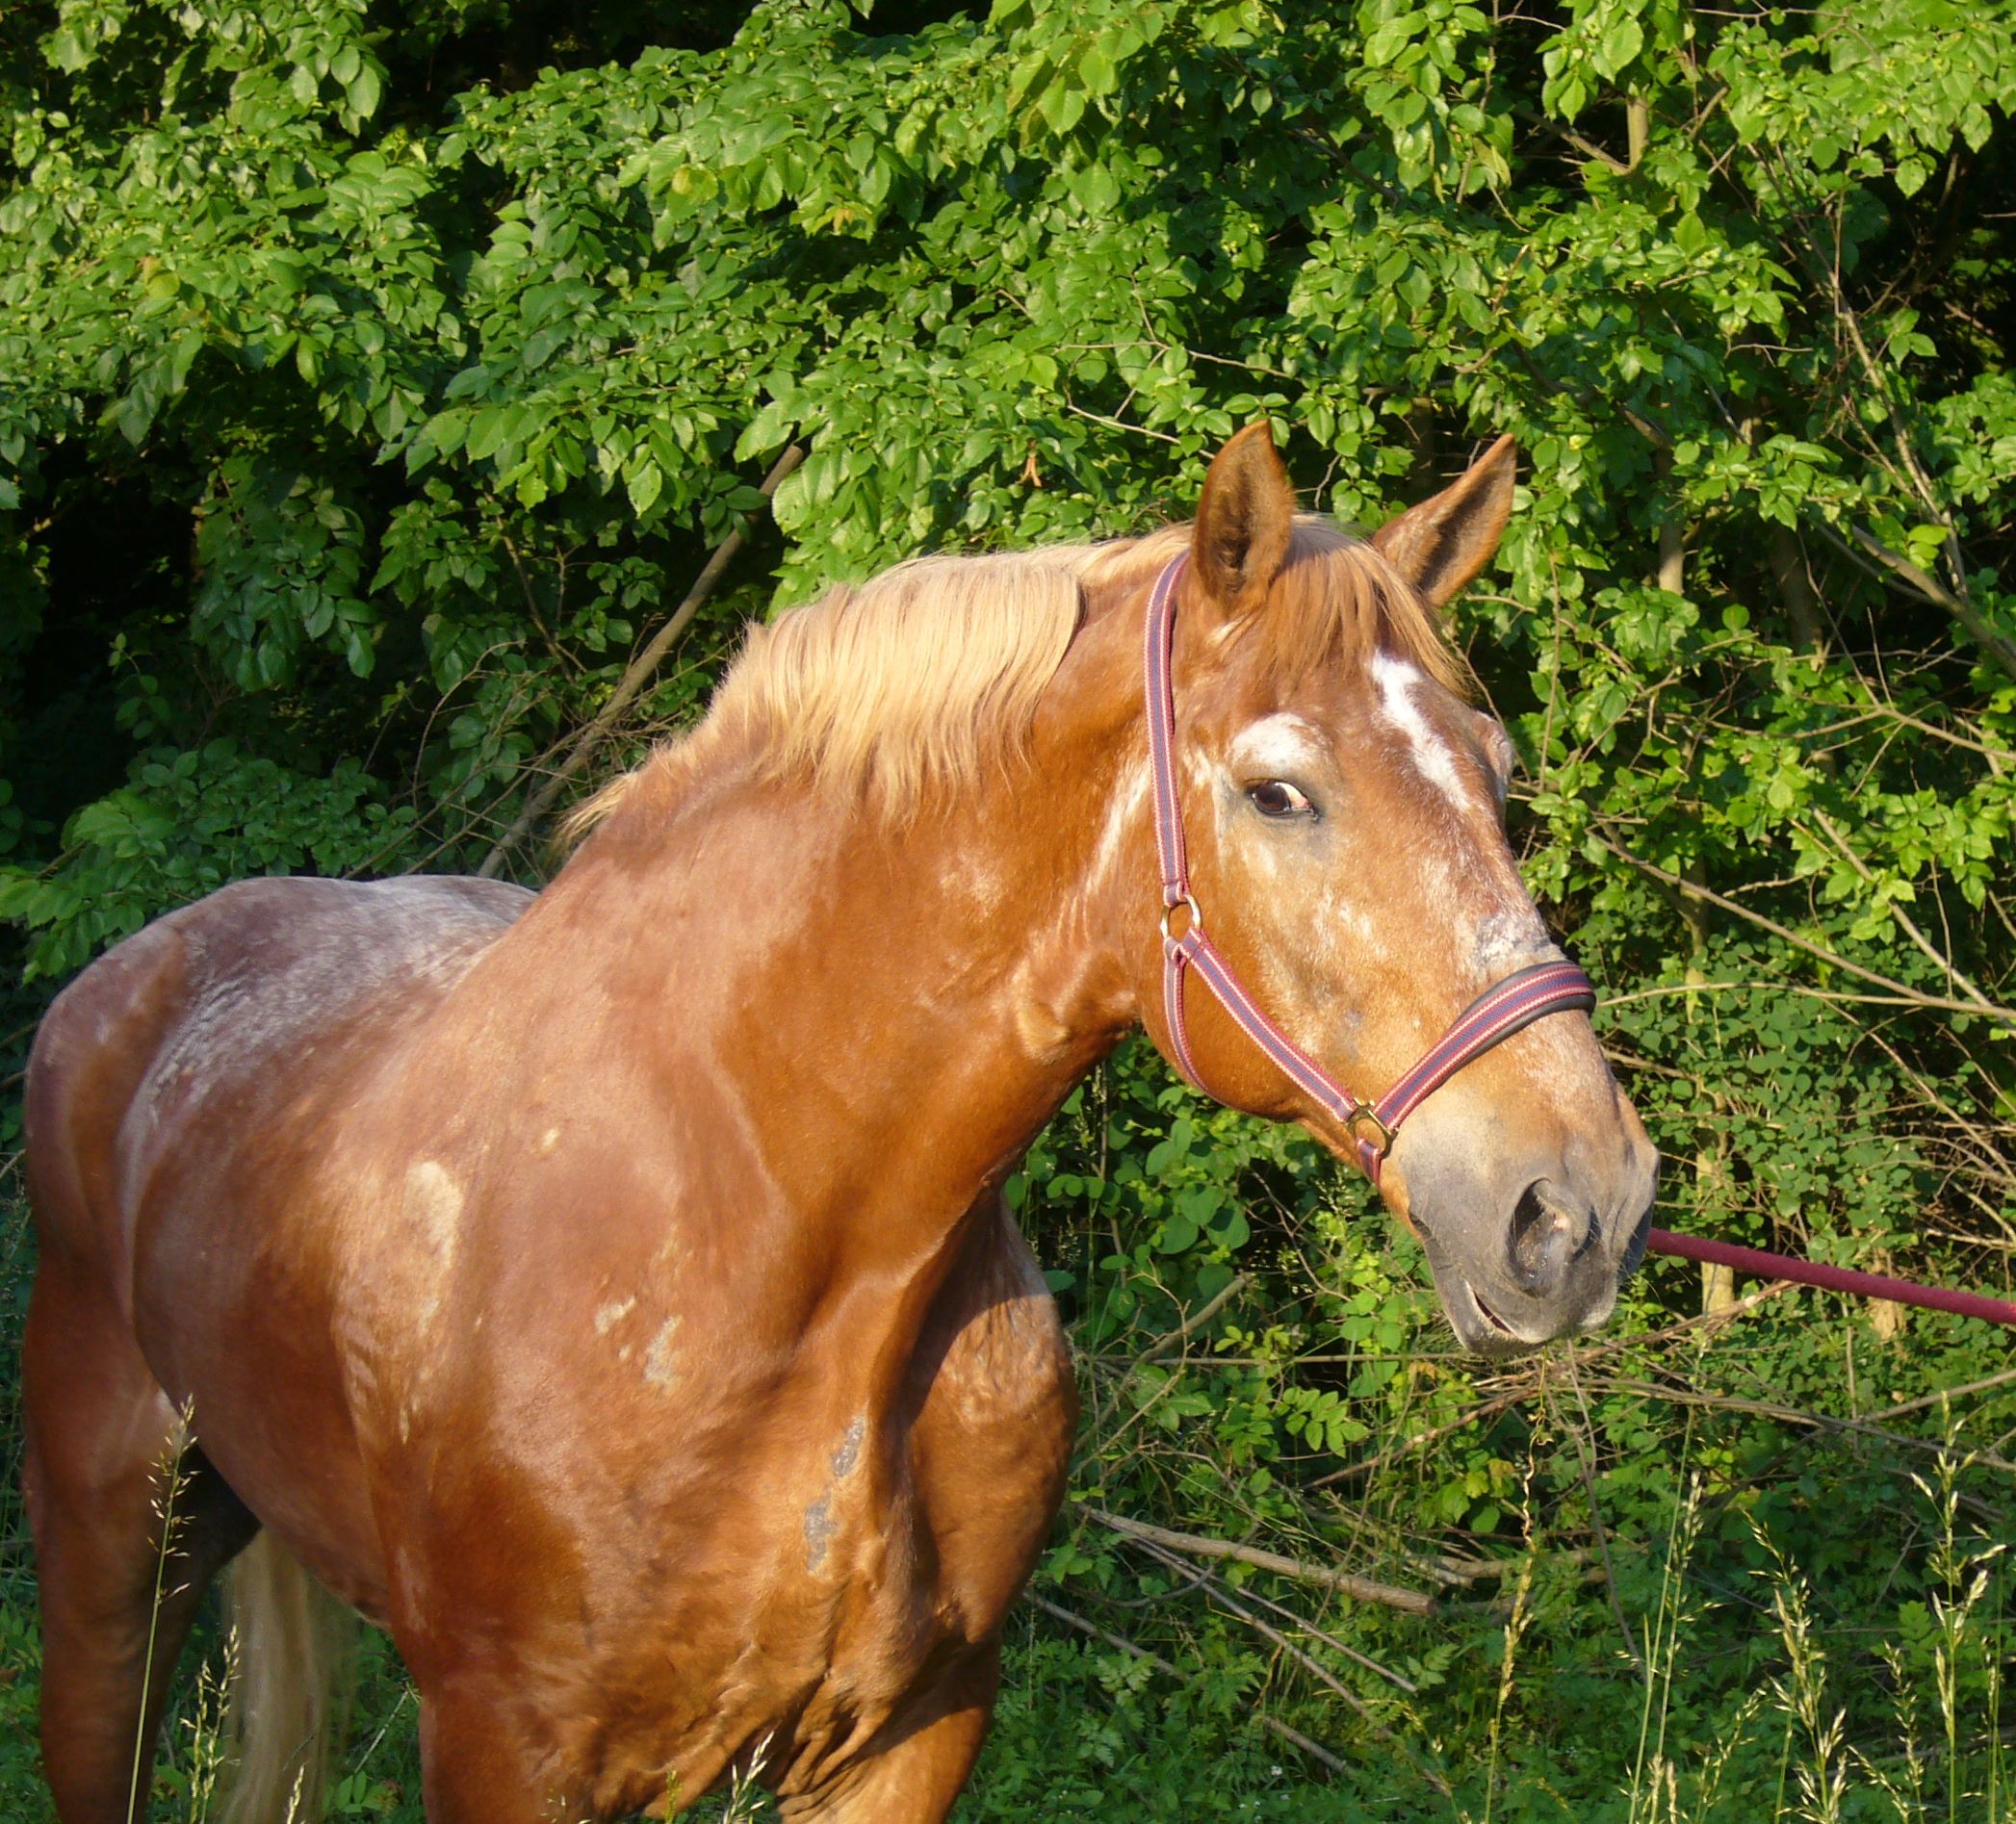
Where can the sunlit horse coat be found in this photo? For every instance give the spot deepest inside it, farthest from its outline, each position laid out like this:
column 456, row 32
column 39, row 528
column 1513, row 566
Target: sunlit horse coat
column 608, row 1291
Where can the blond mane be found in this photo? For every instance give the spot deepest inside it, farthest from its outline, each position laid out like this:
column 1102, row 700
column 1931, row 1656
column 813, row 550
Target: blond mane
column 914, row 681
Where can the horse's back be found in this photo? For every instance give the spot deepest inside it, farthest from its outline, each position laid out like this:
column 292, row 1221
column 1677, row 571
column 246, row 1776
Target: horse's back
column 218, row 1008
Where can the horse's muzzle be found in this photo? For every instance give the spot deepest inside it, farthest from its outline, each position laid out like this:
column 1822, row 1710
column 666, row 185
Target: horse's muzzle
column 1517, row 1272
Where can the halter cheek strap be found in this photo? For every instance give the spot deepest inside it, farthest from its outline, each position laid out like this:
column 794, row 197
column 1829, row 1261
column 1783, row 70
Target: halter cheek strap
column 1502, row 1010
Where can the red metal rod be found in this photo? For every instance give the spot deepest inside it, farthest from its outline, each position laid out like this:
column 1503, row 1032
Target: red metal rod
column 1754, row 1260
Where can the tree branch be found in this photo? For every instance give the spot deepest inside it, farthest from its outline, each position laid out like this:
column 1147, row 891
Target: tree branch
column 1997, row 645
column 1364, row 1588
column 1937, row 957
column 1216, row 1592
column 1190, row 1325
column 1910, row 994
column 633, row 680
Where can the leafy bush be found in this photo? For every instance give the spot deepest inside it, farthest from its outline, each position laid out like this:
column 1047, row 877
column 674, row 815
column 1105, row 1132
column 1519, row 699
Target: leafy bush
column 373, row 377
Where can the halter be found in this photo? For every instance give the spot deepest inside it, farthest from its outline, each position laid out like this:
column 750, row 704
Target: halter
column 1524, row 996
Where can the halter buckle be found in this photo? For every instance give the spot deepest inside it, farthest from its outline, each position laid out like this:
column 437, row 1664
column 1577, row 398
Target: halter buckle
column 1196, row 920
column 1364, row 1113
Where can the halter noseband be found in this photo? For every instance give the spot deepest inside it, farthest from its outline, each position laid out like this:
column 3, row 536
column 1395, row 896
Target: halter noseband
column 1524, row 996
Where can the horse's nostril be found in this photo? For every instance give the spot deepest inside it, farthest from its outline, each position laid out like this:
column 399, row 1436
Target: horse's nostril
column 1545, row 1239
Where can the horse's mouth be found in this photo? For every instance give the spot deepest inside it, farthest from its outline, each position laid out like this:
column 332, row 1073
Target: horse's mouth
column 1481, row 1331
column 1491, row 1317
column 1484, row 1332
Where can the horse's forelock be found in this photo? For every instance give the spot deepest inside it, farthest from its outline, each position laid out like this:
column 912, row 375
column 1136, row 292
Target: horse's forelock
column 1338, row 599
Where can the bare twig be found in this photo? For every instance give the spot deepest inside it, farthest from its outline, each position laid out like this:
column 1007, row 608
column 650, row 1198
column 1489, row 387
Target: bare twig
column 1944, row 1394
column 1364, row 1588
column 1198, row 1574
column 1591, row 1560
column 1119, row 423
column 1693, row 891
column 1589, row 148
column 1794, row 1415
column 1190, row 1325
column 1759, row 985
column 1995, row 644
column 1488, row 1409
column 1938, row 957
column 1216, row 1592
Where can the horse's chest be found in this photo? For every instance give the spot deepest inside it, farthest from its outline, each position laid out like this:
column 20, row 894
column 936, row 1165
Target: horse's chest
column 926, row 1519
column 993, row 1435
column 810, row 1561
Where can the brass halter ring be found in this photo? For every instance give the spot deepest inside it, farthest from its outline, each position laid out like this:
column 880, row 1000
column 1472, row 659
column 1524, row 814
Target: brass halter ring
column 1384, row 1144
column 1197, row 918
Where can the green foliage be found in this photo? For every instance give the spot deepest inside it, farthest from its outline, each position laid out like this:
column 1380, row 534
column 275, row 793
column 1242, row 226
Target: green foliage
column 373, row 377
column 193, row 821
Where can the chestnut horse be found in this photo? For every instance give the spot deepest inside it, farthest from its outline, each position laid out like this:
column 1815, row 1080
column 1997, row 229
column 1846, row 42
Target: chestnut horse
column 608, row 1291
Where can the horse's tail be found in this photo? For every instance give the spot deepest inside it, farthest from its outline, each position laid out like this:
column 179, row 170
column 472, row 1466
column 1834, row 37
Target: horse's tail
column 289, row 1697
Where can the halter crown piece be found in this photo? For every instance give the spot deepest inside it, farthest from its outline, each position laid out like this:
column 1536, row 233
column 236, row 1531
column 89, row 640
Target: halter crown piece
column 1524, row 996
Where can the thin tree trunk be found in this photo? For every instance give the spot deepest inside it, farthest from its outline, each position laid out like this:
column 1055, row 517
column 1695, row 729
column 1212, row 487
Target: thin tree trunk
column 634, row 680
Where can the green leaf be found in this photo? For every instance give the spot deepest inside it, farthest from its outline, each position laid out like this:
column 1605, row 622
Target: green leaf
column 364, row 91
column 765, row 432
column 643, row 483
column 1618, row 45
column 1062, row 104
column 64, row 49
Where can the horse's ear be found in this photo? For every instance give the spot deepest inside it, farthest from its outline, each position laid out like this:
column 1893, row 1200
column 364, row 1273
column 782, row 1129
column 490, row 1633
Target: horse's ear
column 1243, row 521
column 1441, row 544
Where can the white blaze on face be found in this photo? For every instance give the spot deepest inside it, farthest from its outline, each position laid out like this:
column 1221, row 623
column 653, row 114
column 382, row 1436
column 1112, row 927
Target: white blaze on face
column 1511, row 934
column 1396, row 680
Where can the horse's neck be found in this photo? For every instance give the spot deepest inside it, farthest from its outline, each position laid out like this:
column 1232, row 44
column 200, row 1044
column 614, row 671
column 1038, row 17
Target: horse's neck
column 890, row 1015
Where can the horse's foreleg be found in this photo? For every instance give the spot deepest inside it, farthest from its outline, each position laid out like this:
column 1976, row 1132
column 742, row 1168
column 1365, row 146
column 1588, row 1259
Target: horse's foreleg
column 918, row 1776
column 478, row 1766
column 130, row 1526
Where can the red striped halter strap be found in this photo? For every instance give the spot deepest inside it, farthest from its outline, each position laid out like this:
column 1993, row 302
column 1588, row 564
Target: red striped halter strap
column 1524, row 996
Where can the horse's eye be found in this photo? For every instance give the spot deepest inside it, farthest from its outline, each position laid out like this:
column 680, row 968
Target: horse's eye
column 1276, row 798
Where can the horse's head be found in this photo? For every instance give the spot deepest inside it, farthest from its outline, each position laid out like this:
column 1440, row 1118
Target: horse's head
column 1342, row 804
